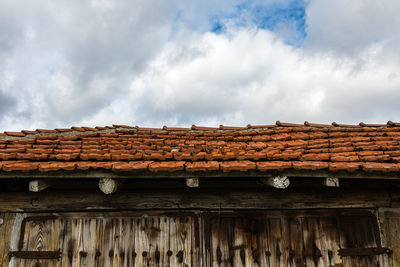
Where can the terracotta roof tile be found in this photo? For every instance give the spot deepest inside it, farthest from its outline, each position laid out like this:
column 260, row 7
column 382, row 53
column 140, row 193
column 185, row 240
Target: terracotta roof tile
column 64, row 130
column 79, row 129
column 19, row 166
column 308, row 124
column 240, row 165
column 260, row 126
column 123, row 126
column 49, row 166
column 364, row 147
column 169, row 166
column 310, row 165
column 46, row 131
column 131, row 166
column 18, row 134
column 29, row 132
column 222, row 127
column 344, row 166
column 202, row 166
column 285, row 124
column 202, row 128
column 274, row 165
column 380, row 167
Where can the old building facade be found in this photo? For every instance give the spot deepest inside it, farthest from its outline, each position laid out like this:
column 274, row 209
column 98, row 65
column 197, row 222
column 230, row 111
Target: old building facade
column 268, row 195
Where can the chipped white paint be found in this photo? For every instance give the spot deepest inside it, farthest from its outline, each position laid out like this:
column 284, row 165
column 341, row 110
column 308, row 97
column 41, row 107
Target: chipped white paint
column 192, row 182
column 331, row 182
column 280, row 182
column 39, row 185
column 108, row 185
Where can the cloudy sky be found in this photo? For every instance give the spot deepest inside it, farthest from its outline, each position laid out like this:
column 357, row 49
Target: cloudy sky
column 153, row 62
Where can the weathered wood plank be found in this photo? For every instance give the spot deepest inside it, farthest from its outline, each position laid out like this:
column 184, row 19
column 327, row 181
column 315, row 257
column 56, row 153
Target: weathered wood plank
column 7, row 221
column 127, row 240
column 40, row 235
column 221, row 238
column 181, row 199
column 329, row 228
column 359, row 232
column 275, row 232
column 99, row 173
column 390, row 222
column 180, row 241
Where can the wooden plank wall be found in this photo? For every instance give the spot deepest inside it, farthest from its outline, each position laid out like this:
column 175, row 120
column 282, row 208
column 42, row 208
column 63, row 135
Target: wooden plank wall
column 271, row 238
column 7, row 220
column 98, row 241
column 390, row 227
column 303, row 240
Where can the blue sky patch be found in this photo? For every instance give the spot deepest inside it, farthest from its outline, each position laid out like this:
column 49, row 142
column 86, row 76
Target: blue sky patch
column 286, row 18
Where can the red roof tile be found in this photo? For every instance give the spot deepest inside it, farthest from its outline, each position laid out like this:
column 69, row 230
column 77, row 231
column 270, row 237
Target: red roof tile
column 336, row 147
column 240, row 165
column 169, row 166
column 19, row 134
column 202, row 166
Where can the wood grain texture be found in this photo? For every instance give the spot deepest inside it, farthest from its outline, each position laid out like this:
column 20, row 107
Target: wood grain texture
column 258, row 238
column 390, row 223
column 5, row 236
column 199, row 199
column 291, row 240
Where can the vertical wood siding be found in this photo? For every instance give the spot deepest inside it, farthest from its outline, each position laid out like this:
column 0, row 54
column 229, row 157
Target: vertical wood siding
column 268, row 239
column 260, row 240
column 390, row 222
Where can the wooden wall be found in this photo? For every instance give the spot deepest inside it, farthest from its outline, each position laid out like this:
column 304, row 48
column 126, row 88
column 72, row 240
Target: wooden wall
column 6, row 227
column 259, row 238
column 389, row 219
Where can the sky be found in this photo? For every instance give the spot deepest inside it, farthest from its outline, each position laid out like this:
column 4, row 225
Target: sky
column 152, row 62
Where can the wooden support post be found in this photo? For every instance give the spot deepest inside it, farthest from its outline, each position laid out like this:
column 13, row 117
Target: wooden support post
column 280, row 182
column 331, row 182
column 39, row 185
column 192, row 182
column 109, row 185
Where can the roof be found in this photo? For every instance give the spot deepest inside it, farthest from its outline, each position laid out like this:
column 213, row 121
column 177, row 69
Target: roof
column 279, row 147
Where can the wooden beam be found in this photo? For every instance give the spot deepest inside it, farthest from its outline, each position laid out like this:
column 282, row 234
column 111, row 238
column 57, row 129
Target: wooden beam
column 99, row 173
column 331, row 182
column 109, row 185
column 192, row 182
column 160, row 199
column 280, row 182
column 39, row 185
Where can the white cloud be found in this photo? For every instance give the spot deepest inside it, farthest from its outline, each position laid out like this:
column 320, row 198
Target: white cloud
column 253, row 77
column 135, row 62
column 350, row 27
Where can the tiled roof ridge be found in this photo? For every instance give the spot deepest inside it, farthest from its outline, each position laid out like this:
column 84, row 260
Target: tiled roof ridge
column 73, row 131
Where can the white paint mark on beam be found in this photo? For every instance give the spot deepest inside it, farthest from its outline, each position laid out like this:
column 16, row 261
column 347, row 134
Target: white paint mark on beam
column 39, row 185
column 280, row 182
column 108, row 185
column 192, row 182
column 331, row 182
